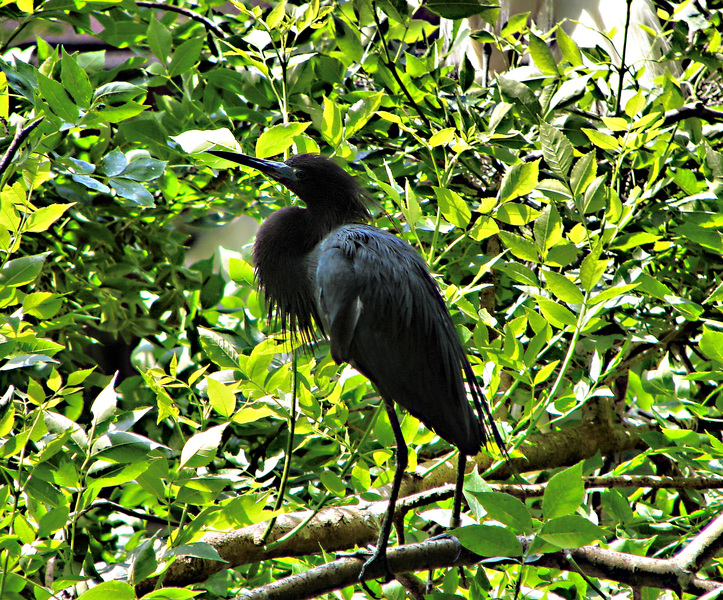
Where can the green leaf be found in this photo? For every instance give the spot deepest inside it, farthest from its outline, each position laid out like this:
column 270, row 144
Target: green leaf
column 75, row 80
column 201, row 449
column 556, row 149
column 118, row 91
column 199, row 550
column 457, row 9
column 519, row 246
column 276, row 15
column 612, row 292
column 516, row 214
column 520, row 180
column 600, row 139
column 132, row 191
column 143, row 563
column 331, row 128
column 114, row 163
column 515, row 90
column 54, row 94
column 360, row 112
column 488, row 540
column 251, row 414
column 91, row 183
column 555, row 313
column 568, row 47
column 278, row 139
column 591, row 271
column 711, row 344
column 548, row 229
column 442, row 137
column 185, row 57
column 506, row 509
column 571, row 531
column 42, row 305
column 160, row 40
column 105, row 404
column 454, row 208
column 118, row 590
column 583, row 173
column 222, row 399
column 563, row 289
column 44, row 217
column 117, row 475
column 142, row 167
column 564, row 492
column 23, row 270
column 240, row 271
column 542, row 56
column 333, row 483
column 219, row 349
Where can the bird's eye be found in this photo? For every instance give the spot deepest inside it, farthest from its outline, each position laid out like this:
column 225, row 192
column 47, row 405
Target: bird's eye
column 301, row 174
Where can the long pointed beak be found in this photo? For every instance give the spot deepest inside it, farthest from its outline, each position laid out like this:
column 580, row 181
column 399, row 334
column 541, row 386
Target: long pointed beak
column 276, row 170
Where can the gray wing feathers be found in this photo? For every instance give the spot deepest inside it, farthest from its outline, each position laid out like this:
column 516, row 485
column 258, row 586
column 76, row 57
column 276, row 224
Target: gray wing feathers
column 384, row 315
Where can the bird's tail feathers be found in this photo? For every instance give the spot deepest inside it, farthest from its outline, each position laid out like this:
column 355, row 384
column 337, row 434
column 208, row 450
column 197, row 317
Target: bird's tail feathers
column 487, row 425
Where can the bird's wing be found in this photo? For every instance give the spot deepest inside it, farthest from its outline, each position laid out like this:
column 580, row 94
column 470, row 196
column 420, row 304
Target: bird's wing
column 384, row 315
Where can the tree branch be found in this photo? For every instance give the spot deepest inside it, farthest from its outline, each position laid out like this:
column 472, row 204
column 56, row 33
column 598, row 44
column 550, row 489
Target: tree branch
column 444, row 553
column 344, row 527
column 186, row 13
column 695, row 110
column 20, row 136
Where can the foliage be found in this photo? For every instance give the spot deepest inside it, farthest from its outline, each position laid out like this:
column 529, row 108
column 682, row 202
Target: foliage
column 576, row 233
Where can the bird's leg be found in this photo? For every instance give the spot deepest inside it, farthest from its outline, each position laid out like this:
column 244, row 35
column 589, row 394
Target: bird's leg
column 378, row 562
column 458, row 492
column 456, row 512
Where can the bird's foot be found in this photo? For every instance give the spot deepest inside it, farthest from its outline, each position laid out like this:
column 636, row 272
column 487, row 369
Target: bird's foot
column 448, row 536
column 376, row 567
column 429, row 587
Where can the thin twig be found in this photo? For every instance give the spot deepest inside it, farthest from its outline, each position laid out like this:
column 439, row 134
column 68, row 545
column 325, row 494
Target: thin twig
column 389, row 64
column 183, row 11
column 20, row 136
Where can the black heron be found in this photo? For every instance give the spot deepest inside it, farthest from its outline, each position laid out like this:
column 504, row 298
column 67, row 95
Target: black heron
column 371, row 294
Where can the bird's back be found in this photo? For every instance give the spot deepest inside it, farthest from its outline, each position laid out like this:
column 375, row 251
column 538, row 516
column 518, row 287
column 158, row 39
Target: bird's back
column 384, row 315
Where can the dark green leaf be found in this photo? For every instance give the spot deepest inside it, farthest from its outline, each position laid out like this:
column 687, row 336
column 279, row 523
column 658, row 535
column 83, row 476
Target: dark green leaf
column 114, row 163
column 159, row 40
column 132, row 191
column 185, row 56
column 75, row 81
column 142, row 167
column 56, row 97
column 457, row 9
column 23, row 270
column 542, row 56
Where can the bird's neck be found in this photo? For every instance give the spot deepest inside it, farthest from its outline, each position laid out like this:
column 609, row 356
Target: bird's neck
column 284, row 270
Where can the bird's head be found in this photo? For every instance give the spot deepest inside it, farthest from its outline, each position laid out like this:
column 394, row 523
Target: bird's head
column 316, row 179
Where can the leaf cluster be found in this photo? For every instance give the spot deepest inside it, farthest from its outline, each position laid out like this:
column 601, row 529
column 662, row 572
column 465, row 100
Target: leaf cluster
column 570, row 213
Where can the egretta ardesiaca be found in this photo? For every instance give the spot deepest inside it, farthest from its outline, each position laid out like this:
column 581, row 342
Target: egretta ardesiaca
column 371, row 294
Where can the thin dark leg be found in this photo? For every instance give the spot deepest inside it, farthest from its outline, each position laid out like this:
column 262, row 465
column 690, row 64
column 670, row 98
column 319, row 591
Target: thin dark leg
column 458, row 492
column 378, row 561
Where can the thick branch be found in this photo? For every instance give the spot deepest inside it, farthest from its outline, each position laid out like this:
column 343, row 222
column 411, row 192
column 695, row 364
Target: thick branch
column 443, row 553
column 341, row 528
column 697, row 109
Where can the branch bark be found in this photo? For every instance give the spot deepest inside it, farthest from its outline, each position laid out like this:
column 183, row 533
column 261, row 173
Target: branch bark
column 342, row 528
column 673, row 573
